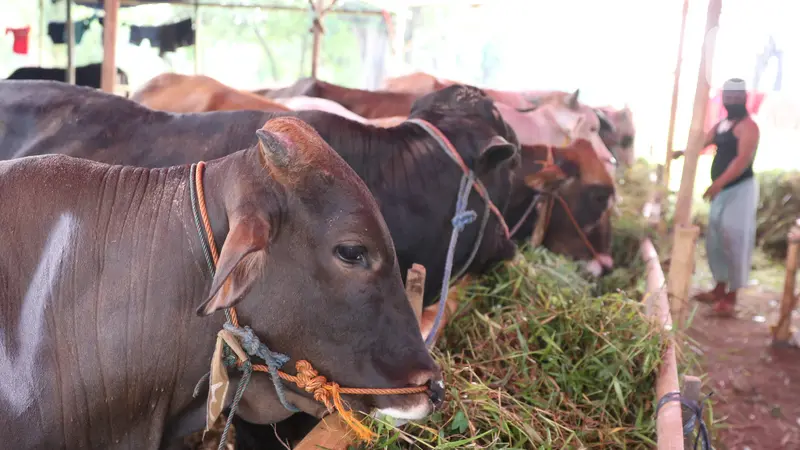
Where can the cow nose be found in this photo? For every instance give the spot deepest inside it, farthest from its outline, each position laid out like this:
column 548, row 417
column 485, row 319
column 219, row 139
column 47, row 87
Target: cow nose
column 433, row 381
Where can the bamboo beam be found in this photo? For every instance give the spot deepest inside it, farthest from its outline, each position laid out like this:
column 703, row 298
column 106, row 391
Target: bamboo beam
column 782, row 330
column 683, row 207
column 42, row 27
column 669, row 423
column 108, row 77
column 673, row 111
column 681, row 268
column 346, row 11
column 196, row 37
column 332, row 433
column 70, row 45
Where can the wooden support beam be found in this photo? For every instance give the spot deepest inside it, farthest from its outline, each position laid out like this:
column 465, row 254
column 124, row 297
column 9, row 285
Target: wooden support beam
column 673, row 113
column 70, row 45
column 196, row 37
column 691, row 392
column 683, row 207
column 320, row 10
column 782, row 330
column 110, row 26
column 345, row 11
column 669, row 426
column 42, row 34
column 681, row 268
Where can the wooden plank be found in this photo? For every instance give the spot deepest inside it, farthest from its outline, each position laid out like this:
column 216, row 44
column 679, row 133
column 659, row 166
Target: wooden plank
column 782, row 330
column 683, row 206
column 70, row 45
column 669, row 423
column 332, row 432
column 681, row 268
column 673, row 111
column 108, row 77
column 691, row 391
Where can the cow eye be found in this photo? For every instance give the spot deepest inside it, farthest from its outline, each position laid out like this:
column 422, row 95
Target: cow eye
column 594, row 129
column 352, row 254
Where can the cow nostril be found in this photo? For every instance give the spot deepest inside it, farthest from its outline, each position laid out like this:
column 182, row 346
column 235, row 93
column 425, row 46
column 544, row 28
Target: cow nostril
column 436, row 392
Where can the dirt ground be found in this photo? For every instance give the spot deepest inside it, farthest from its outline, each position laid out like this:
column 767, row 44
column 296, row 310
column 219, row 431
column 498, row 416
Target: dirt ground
column 756, row 400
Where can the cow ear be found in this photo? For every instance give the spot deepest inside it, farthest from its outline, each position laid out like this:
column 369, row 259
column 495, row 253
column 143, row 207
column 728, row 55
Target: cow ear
column 572, row 100
column 495, row 153
column 605, row 122
column 241, row 261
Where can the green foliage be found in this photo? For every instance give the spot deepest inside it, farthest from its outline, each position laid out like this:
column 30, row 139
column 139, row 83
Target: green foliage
column 540, row 357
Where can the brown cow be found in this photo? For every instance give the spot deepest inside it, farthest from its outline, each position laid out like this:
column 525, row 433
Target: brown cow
column 104, row 268
column 198, row 93
column 618, row 132
column 367, row 104
column 579, row 177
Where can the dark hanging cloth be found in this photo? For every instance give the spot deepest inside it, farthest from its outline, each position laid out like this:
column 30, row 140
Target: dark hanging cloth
column 167, row 38
column 58, row 30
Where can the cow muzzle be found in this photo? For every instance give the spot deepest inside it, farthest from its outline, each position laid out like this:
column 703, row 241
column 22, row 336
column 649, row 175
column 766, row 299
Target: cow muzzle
column 417, row 406
column 601, row 265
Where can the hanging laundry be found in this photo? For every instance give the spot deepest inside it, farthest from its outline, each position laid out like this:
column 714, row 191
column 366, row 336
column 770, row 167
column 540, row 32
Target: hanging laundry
column 167, row 38
column 21, row 36
column 58, row 30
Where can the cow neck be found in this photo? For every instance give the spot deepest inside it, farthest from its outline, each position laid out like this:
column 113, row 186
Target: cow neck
column 307, row 378
column 461, row 218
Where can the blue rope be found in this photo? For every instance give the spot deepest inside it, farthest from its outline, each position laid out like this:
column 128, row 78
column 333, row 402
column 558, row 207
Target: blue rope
column 695, row 420
column 247, row 369
column 460, row 219
column 254, row 347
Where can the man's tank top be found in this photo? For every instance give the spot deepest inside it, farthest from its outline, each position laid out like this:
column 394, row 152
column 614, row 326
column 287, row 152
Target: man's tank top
column 727, row 144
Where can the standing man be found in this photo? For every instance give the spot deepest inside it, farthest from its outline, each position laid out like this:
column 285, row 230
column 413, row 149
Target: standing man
column 733, row 193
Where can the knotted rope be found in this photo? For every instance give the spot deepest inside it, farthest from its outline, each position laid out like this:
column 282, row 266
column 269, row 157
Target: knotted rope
column 326, row 392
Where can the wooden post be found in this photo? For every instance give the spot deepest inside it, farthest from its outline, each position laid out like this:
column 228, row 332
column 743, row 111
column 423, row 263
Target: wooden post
column 332, row 433
column 681, row 268
column 691, row 391
column 109, row 74
column 683, row 207
column 316, row 29
column 196, row 37
column 669, row 428
column 42, row 34
column 782, row 330
column 673, row 111
column 70, row 45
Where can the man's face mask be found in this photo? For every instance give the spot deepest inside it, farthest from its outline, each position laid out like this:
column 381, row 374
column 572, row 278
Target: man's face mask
column 735, row 103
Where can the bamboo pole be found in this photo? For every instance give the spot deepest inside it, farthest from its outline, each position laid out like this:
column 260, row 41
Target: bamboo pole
column 108, row 78
column 332, row 433
column 681, row 268
column 669, row 423
column 782, row 330
column 70, row 45
column 346, row 11
column 316, row 30
column 196, row 37
column 42, row 27
column 673, row 112
column 683, row 206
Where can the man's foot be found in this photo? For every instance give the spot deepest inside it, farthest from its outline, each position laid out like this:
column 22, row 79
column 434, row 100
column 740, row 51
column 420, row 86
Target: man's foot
column 724, row 309
column 713, row 295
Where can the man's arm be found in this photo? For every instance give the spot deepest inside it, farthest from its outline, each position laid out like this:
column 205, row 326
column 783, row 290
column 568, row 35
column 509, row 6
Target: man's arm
column 708, row 140
column 748, row 134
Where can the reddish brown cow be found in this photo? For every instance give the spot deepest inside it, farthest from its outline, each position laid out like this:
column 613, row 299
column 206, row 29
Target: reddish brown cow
column 367, row 104
column 178, row 93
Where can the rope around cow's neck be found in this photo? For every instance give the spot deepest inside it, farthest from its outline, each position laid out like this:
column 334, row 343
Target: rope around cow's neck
column 307, row 378
column 461, row 218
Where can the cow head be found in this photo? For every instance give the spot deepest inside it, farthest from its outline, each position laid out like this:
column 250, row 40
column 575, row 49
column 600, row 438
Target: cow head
column 579, row 177
column 617, row 132
column 469, row 120
column 310, row 265
column 574, row 120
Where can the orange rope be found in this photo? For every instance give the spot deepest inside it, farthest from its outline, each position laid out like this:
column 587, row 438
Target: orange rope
column 307, row 378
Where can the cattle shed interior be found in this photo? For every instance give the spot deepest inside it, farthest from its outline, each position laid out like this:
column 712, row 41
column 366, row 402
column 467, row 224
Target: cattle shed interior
column 591, row 334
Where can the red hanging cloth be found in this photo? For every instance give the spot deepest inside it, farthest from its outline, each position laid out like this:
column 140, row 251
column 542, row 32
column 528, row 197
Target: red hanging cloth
column 21, row 36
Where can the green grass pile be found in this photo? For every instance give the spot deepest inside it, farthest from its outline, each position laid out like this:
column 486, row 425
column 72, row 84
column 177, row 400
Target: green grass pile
column 778, row 208
column 540, row 357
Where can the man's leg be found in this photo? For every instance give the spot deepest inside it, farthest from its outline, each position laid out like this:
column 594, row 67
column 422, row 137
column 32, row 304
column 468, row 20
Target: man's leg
column 715, row 251
column 739, row 233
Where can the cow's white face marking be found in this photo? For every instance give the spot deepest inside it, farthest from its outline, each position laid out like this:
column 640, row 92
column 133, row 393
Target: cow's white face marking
column 414, row 412
column 18, row 372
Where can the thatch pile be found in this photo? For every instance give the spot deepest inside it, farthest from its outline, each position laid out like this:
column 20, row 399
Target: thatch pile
column 778, row 208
